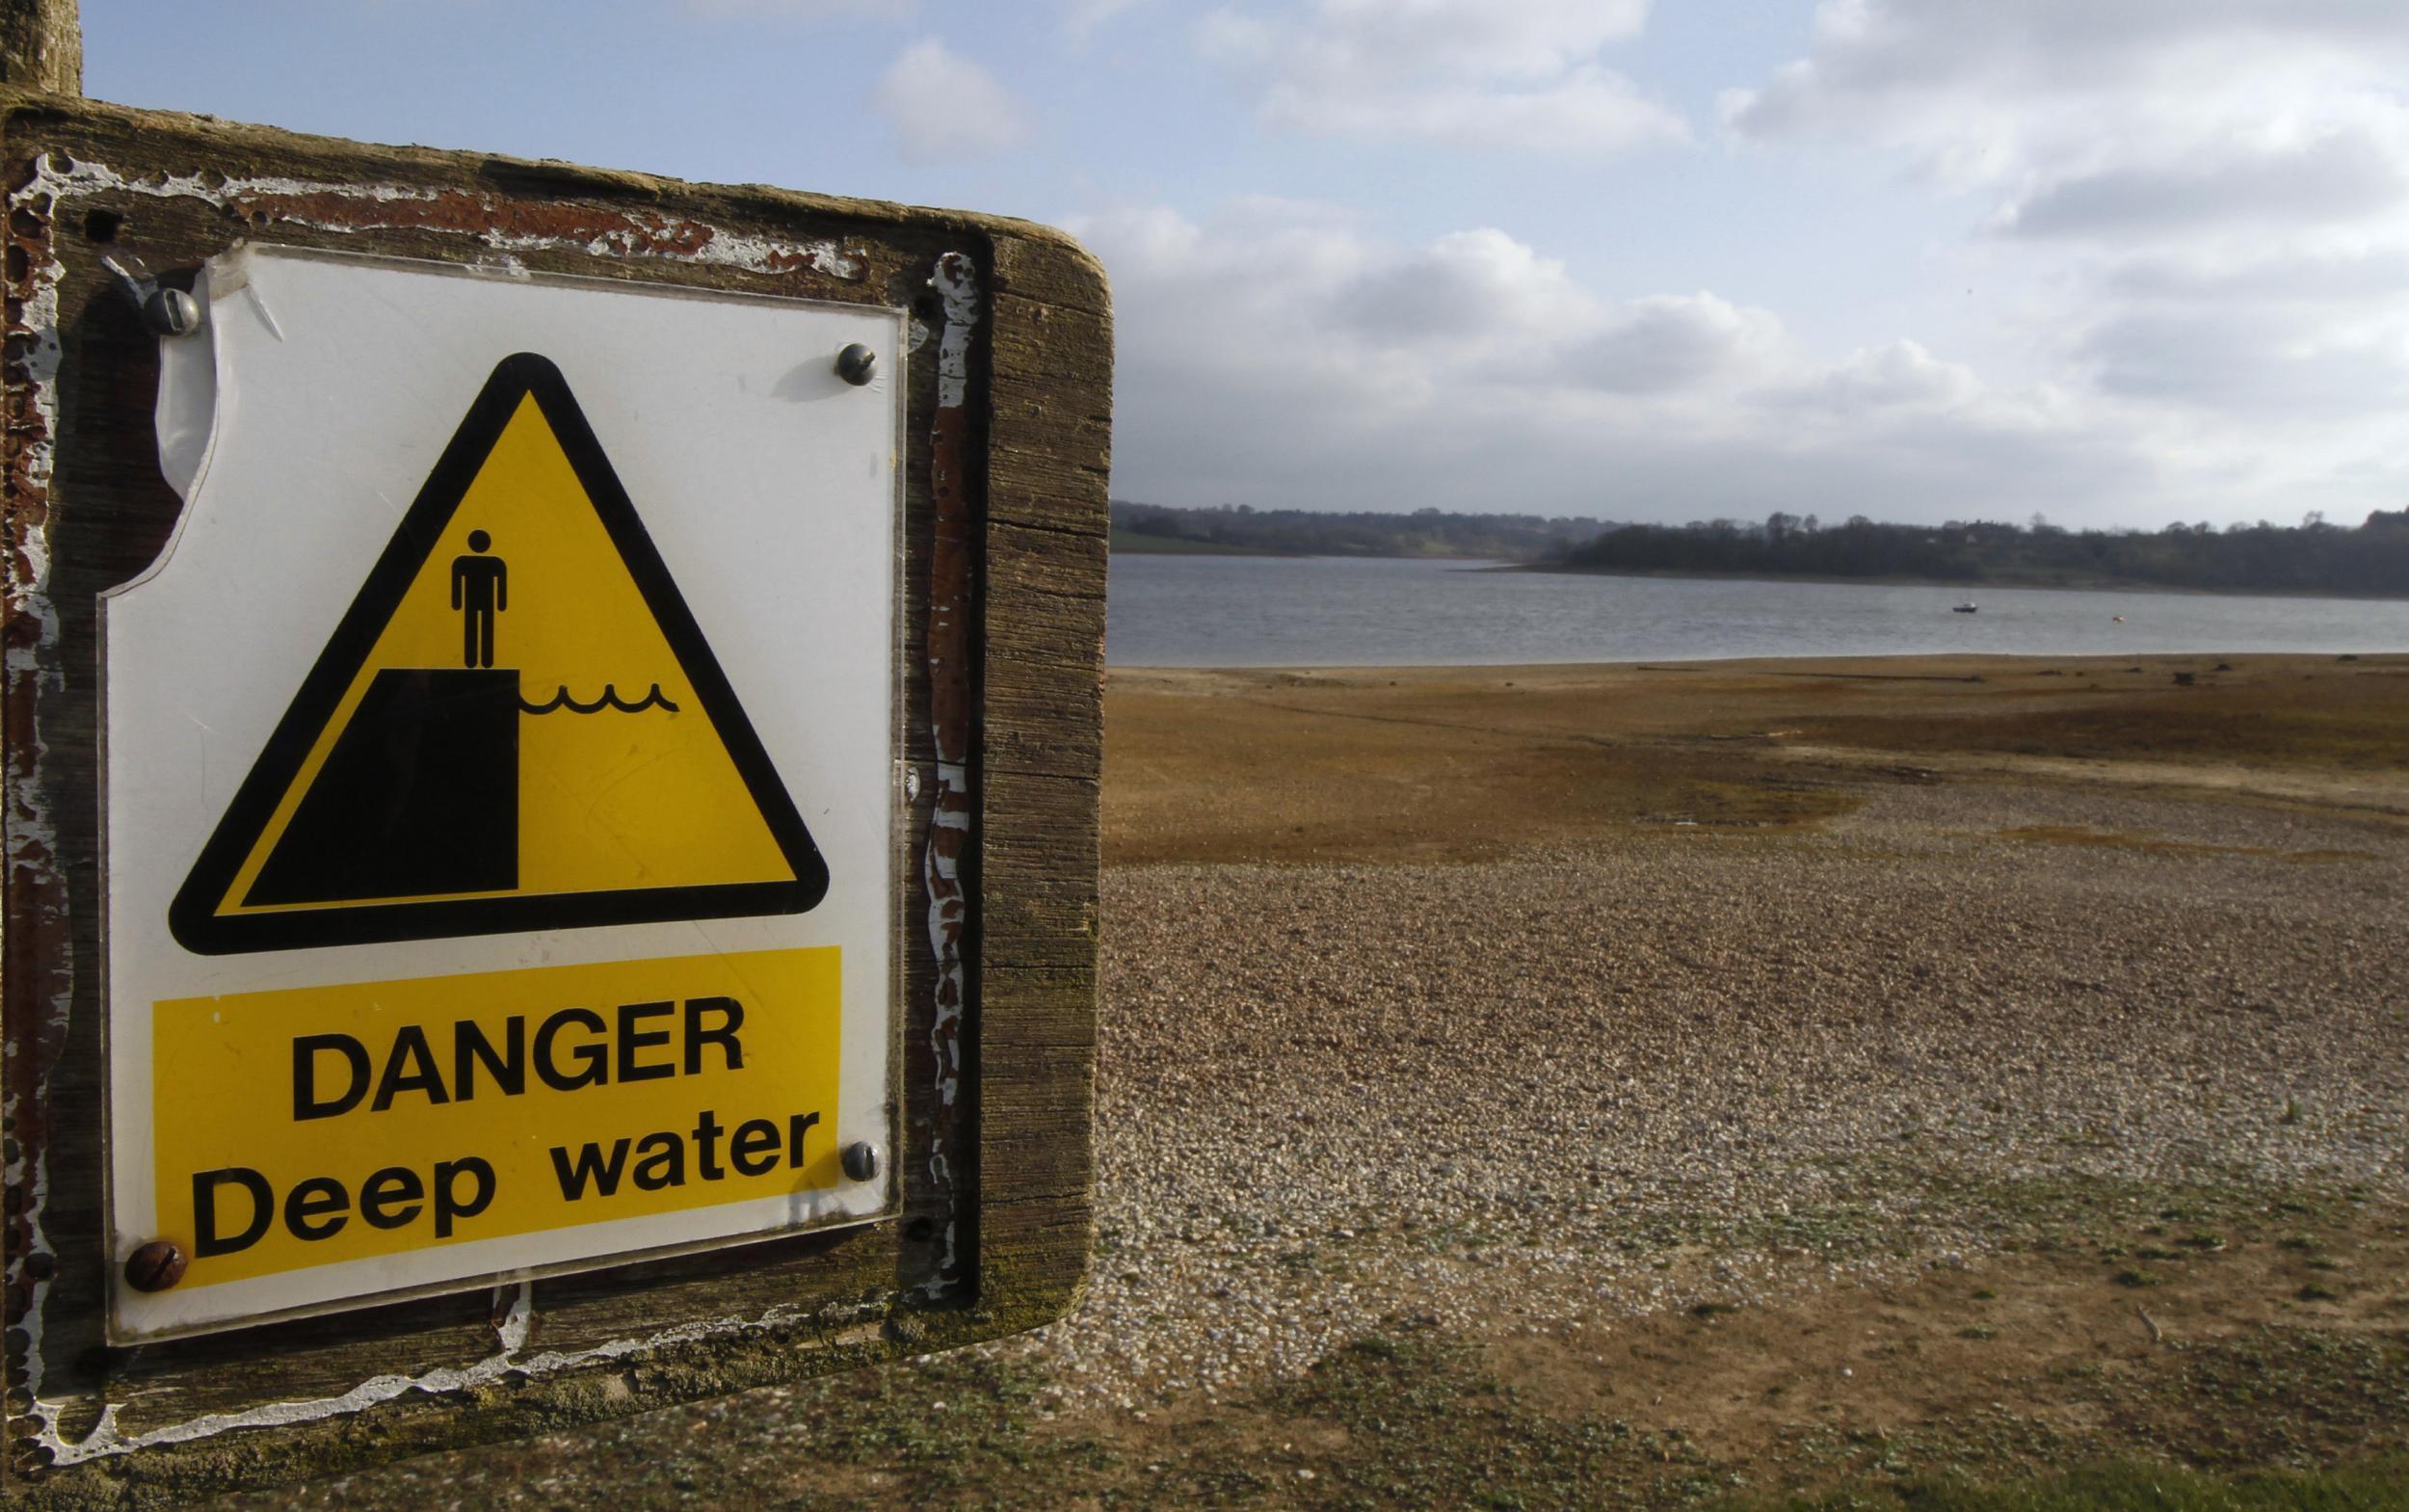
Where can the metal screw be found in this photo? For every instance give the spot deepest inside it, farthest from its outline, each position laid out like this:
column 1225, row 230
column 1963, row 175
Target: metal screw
column 165, row 311
column 171, row 312
column 862, row 1160
column 155, row 1266
column 856, row 364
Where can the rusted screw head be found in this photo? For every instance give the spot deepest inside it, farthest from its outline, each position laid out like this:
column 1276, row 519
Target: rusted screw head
column 155, row 1266
column 862, row 1160
column 856, row 364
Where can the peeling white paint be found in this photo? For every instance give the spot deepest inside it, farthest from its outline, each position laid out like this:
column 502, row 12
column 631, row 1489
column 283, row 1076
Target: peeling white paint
column 106, row 1441
column 512, row 1332
column 40, row 372
column 947, row 913
column 724, row 250
column 61, row 177
column 30, row 840
column 956, row 281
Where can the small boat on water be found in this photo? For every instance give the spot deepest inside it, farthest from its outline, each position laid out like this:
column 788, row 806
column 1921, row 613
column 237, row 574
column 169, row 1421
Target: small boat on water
column 1967, row 607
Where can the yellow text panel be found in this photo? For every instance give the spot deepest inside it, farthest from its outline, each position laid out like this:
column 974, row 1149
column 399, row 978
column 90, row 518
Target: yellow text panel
column 311, row 1125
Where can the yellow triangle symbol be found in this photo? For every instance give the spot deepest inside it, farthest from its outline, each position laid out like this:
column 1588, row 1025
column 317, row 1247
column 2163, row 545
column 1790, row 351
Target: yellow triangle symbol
column 517, row 725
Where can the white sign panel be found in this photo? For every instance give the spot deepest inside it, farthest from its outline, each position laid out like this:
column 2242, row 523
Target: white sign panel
column 500, row 788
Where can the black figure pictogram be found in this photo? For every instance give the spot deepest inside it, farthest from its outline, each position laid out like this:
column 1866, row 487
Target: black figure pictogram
column 481, row 589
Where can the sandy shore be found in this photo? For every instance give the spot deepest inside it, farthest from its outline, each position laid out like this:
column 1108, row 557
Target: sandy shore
column 1464, row 763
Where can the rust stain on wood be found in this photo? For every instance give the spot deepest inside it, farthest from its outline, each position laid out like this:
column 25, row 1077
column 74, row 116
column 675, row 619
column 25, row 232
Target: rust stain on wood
column 501, row 221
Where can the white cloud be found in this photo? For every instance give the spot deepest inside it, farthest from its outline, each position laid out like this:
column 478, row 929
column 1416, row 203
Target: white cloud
column 2202, row 205
column 1082, row 17
column 1474, row 74
column 1587, row 110
column 1900, row 375
column 1478, row 39
column 2215, row 192
column 2345, row 176
column 807, row 9
column 1468, row 286
column 1667, row 342
column 2242, row 360
column 1277, row 354
column 944, row 107
column 1884, row 66
column 2123, row 114
column 2349, row 278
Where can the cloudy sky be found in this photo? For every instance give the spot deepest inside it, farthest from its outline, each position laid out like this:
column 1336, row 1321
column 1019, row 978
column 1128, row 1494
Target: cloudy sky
column 2114, row 261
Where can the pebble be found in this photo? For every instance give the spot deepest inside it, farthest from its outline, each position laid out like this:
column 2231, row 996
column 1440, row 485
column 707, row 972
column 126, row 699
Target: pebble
column 1602, row 1081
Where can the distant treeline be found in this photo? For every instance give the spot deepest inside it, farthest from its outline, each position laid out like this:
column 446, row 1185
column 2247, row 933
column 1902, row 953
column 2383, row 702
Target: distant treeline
column 2311, row 557
column 1297, row 532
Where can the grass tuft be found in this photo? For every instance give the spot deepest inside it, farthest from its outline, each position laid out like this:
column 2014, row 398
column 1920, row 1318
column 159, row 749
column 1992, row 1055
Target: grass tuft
column 2130, row 1486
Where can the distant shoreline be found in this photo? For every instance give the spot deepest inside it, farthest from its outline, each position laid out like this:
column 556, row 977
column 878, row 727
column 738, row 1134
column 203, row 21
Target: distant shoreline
column 1131, row 542
column 1954, row 585
column 1165, row 545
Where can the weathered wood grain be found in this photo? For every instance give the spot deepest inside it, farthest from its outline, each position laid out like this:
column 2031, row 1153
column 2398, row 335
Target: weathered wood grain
column 1031, row 920
column 41, row 45
column 1040, row 474
column 1045, row 633
column 1036, row 265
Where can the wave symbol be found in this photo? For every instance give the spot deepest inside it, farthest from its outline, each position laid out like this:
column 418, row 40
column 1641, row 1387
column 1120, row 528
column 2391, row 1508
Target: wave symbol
column 610, row 699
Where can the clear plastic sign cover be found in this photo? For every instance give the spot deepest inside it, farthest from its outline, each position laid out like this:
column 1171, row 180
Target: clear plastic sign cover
column 500, row 788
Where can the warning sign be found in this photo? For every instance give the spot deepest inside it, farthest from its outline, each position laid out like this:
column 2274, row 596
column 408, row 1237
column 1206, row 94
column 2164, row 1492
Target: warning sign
column 517, row 725
column 502, row 798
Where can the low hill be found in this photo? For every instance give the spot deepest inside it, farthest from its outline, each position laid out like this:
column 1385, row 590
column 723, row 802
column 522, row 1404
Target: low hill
column 2371, row 559
column 1295, row 532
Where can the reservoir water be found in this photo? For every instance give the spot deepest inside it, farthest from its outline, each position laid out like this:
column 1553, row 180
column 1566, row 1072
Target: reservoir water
column 1230, row 611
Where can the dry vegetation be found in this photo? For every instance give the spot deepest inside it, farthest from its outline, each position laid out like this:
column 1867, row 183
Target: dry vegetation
column 1477, row 762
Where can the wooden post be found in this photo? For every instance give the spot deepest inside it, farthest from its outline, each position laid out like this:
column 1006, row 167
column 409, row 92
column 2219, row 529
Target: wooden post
column 1003, row 395
column 42, row 46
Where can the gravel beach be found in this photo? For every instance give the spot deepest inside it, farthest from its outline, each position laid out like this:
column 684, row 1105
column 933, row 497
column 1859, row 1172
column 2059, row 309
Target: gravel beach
column 1623, row 1086
column 1633, row 1077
